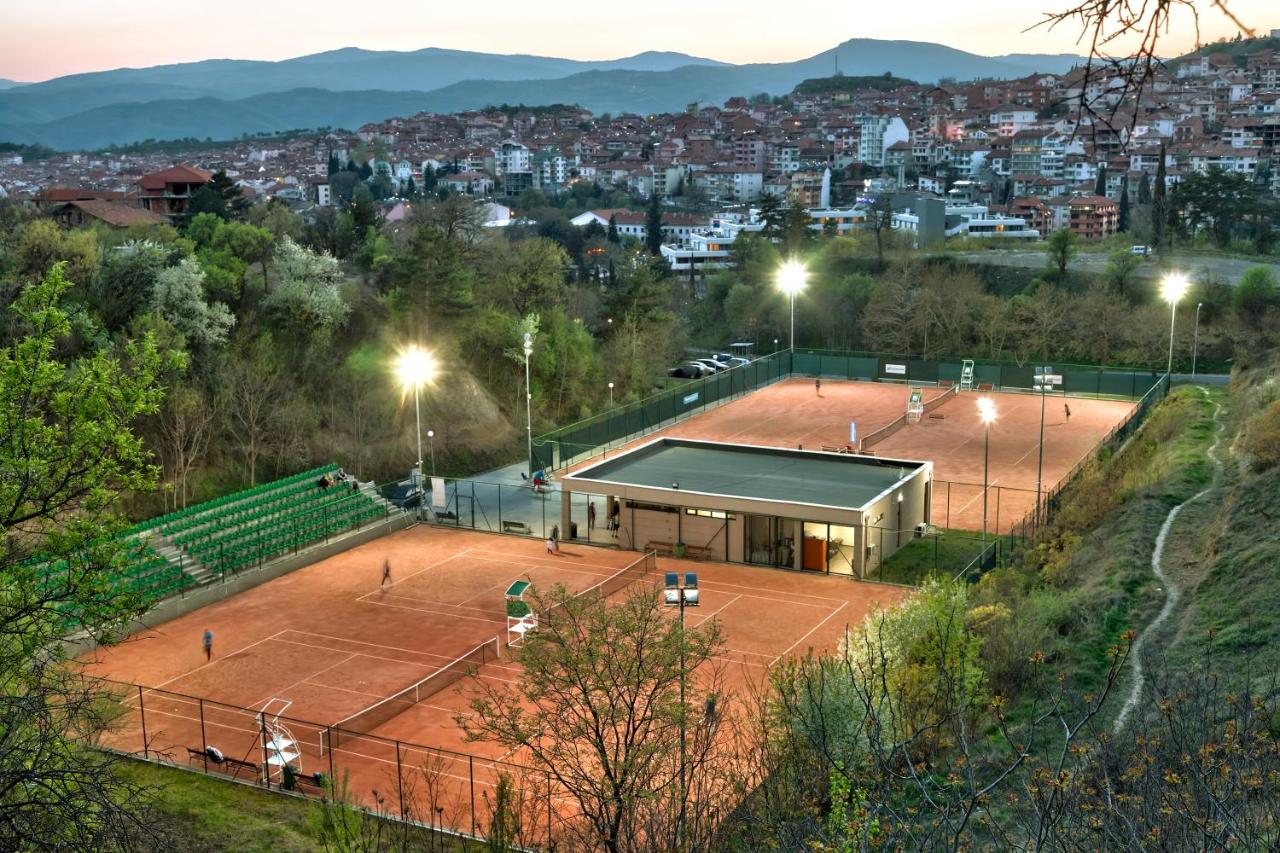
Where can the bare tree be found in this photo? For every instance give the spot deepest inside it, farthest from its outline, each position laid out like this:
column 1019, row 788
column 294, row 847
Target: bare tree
column 184, row 426
column 599, row 709
column 248, row 401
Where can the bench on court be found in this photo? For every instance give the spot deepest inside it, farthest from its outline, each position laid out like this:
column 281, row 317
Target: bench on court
column 697, row 552
column 516, row 527
column 933, row 416
column 837, row 448
column 665, row 549
column 235, row 763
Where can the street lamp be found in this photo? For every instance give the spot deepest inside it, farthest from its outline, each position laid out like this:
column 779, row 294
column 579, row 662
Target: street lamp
column 792, row 277
column 416, row 367
column 1044, row 381
column 431, row 436
column 528, row 397
column 986, row 411
column 1195, row 340
column 1173, row 288
column 675, row 595
column 611, row 395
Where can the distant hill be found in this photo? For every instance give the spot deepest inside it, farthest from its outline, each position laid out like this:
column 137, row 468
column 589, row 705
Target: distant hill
column 1236, row 49
column 224, row 99
column 9, row 84
column 841, row 83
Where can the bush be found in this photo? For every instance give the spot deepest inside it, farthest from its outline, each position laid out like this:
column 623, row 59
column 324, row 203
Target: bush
column 1255, row 294
column 1261, row 438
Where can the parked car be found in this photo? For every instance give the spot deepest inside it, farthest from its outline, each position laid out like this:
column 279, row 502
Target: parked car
column 689, row 370
column 737, row 361
column 1141, row 250
column 406, row 495
column 714, row 365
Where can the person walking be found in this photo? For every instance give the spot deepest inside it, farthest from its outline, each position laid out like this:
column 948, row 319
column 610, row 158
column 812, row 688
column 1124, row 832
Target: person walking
column 1067, row 409
column 817, row 385
column 591, row 516
column 208, row 645
column 555, row 539
column 386, row 573
column 551, row 545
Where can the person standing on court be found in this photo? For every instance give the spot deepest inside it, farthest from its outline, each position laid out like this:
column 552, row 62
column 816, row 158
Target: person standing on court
column 208, row 645
column 817, row 385
column 555, row 539
column 386, row 573
column 1067, row 409
column 591, row 515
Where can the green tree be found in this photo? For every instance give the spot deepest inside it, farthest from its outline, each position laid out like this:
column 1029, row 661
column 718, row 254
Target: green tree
column 1122, row 222
column 207, row 201
column 1255, row 295
column 1060, row 249
column 307, row 300
column 68, row 454
column 1100, row 185
column 771, row 214
column 1159, row 206
column 124, row 282
column 1216, row 200
column 1144, row 189
column 1121, row 272
column 653, row 226
column 612, row 233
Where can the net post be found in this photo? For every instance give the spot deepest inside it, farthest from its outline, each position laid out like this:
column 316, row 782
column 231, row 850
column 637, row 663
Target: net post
column 142, row 716
column 400, row 782
column 471, row 776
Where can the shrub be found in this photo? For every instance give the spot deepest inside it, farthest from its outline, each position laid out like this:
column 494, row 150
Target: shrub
column 1261, row 438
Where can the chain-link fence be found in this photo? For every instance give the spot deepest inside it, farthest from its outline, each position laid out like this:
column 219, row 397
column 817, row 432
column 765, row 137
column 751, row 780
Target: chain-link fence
column 445, row 789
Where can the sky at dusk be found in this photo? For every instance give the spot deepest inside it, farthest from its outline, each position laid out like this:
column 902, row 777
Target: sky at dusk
column 43, row 40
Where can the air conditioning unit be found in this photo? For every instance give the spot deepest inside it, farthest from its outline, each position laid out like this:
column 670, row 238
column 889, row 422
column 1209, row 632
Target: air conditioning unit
column 921, row 529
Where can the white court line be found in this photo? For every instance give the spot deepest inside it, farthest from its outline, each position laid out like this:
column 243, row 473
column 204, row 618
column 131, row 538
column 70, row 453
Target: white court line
column 774, row 599
column 360, row 643
column 437, row 612
column 776, row 592
column 212, row 662
column 973, row 500
column 418, row 572
column 711, row 615
column 557, row 561
column 281, row 693
column 368, row 656
column 810, row 631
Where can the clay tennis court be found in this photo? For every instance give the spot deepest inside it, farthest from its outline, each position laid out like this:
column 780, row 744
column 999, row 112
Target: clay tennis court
column 791, row 413
column 329, row 641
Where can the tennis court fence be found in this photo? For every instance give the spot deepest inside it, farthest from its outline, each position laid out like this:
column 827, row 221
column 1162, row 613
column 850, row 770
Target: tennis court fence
column 365, row 721
column 449, row 791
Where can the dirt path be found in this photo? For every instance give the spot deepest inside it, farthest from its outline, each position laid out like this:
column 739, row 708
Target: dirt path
column 1172, row 593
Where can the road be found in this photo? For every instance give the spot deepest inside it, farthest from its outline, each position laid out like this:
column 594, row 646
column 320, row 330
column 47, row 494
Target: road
column 1198, row 267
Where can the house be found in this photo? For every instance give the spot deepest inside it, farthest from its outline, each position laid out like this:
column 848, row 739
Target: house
column 1093, row 217
column 167, row 192
column 114, row 214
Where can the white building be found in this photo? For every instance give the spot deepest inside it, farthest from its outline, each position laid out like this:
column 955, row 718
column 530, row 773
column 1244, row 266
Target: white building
column 511, row 156
column 878, row 133
column 971, row 220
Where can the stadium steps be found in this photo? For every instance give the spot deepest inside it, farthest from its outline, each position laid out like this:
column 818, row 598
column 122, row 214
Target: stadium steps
column 370, row 490
column 180, row 559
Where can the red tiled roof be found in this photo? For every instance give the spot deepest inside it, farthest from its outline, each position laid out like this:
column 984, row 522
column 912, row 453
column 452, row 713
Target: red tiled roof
column 175, row 175
column 117, row 214
column 52, row 195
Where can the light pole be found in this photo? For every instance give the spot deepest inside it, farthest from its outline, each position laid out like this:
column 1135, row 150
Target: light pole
column 528, row 397
column 611, row 395
column 415, row 367
column 792, row 277
column 1044, row 380
column 431, row 436
column 1173, row 288
column 675, row 595
column 1195, row 340
column 986, row 411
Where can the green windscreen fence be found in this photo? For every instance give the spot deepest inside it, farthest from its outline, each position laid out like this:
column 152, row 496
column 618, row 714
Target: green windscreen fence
column 580, row 441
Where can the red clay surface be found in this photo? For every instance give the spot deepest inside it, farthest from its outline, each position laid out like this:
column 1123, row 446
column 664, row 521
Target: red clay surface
column 331, row 641
column 791, row 414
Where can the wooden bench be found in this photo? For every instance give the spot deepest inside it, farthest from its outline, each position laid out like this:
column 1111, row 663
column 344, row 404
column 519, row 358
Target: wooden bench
column 516, row 527
column 697, row 552
column 933, row 416
column 235, row 763
column 666, row 549
column 837, row 448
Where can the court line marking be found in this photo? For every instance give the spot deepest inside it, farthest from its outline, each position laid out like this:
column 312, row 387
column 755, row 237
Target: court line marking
column 281, row 693
column 554, row 561
column 212, row 662
column 436, row 612
column 362, row 643
column 810, row 631
column 431, row 665
column 736, row 586
column 707, row 616
column 420, row 571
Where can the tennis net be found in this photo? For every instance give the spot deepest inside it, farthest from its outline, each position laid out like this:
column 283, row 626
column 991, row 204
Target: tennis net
column 364, row 722
column 872, row 439
column 620, row 580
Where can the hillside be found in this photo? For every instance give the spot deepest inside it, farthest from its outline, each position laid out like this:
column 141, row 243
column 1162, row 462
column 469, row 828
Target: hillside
column 1236, row 49
column 345, row 88
column 841, row 83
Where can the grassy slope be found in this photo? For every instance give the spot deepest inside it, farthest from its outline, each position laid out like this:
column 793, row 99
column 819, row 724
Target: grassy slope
column 205, row 814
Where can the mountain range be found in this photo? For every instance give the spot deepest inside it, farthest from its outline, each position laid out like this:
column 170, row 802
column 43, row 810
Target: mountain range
column 223, row 98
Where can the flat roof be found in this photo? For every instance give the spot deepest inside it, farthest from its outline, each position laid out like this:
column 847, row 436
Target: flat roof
column 748, row 471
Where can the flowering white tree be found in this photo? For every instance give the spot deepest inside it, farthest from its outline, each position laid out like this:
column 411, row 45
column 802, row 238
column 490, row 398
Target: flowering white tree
column 179, row 297
column 307, row 296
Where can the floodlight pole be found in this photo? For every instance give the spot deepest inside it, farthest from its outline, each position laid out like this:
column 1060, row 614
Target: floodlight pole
column 1195, row 340
column 1173, row 317
column 528, row 398
column 793, row 322
column 417, row 415
column 1040, row 463
column 684, row 785
column 986, row 467
column 431, row 436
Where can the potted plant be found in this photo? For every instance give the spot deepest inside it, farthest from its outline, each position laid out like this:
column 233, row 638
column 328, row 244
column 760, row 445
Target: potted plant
column 679, row 549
